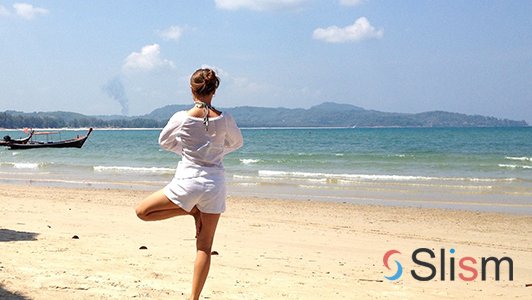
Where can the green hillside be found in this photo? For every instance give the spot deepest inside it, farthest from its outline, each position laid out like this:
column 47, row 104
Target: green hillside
column 328, row 114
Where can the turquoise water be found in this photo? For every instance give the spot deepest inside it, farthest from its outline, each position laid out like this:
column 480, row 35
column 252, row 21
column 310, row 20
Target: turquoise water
column 468, row 168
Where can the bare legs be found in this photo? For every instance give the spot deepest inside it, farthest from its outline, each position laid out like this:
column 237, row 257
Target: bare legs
column 158, row 207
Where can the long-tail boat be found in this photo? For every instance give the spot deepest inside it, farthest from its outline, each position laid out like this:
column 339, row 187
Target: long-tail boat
column 8, row 140
column 71, row 143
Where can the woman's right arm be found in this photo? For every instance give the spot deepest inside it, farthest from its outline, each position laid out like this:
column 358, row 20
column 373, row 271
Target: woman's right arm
column 168, row 139
column 233, row 139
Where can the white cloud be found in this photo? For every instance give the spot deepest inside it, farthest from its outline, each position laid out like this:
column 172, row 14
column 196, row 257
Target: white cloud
column 352, row 2
column 172, row 33
column 361, row 30
column 27, row 11
column 241, row 85
column 148, row 60
column 23, row 10
column 221, row 73
column 261, row 5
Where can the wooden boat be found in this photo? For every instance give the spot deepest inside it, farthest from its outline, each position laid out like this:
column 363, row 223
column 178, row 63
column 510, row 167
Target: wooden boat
column 72, row 143
column 8, row 140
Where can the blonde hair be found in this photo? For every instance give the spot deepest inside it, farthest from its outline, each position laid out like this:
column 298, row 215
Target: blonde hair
column 204, row 82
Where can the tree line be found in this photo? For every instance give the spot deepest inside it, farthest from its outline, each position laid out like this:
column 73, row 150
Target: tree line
column 265, row 117
column 9, row 121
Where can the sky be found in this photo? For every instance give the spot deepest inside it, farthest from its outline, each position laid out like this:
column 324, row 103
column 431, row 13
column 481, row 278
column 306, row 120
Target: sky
column 131, row 57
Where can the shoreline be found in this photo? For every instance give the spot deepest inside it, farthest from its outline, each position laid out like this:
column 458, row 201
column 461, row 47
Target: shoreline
column 268, row 249
column 274, row 128
column 375, row 195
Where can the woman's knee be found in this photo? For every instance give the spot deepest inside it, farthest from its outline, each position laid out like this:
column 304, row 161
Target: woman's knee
column 150, row 203
column 141, row 213
column 204, row 244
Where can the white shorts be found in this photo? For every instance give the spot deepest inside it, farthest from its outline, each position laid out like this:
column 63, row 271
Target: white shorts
column 207, row 193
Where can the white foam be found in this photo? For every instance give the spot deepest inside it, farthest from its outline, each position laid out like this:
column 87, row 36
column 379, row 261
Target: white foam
column 273, row 178
column 26, row 165
column 248, row 161
column 508, row 166
column 524, row 158
column 132, row 169
column 514, row 166
column 372, row 177
column 343, row 176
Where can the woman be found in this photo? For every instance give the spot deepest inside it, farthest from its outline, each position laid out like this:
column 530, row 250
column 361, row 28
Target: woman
column 202, row 136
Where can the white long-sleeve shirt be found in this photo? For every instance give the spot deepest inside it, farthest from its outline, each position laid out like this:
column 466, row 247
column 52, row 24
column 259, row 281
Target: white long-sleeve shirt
column 202, row 150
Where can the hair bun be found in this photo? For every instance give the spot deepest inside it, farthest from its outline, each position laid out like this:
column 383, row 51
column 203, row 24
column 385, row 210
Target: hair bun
column 204, row 81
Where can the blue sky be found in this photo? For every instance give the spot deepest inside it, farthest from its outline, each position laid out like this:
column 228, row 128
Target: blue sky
column 130, row 57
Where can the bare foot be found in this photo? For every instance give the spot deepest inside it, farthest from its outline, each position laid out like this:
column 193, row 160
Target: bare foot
column 195, row 212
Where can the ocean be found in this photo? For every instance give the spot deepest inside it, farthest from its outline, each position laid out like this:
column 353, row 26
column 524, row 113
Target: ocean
column 484, row 169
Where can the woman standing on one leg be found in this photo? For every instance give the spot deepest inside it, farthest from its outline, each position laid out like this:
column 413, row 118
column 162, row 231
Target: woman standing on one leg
column 202, row 136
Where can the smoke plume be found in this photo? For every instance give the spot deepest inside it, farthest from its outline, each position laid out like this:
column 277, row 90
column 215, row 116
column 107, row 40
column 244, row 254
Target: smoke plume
column 115, row 89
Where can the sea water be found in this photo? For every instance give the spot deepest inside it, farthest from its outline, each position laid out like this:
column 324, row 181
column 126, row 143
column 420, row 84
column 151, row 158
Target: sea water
column 467, row 168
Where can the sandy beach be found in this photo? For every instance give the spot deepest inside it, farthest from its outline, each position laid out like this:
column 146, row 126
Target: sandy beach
column 267, row 249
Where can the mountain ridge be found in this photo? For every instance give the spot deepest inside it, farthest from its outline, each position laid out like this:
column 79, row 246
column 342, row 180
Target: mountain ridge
column 327, row 114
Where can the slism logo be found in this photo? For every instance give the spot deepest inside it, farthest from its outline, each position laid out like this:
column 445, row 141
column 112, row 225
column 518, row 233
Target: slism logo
column 468, row 268
column 399, row 267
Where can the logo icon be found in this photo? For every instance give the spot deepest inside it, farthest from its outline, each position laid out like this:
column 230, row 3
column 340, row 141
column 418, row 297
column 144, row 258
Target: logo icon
column 399, row 267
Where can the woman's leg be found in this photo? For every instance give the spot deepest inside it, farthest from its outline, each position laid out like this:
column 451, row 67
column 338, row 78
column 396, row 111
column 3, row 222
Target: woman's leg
column 203, row 255
column 158, row 207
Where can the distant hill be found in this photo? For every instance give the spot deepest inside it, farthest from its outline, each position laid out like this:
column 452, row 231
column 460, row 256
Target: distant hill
column 164, row 113
column 328, row 114
column 331, row 114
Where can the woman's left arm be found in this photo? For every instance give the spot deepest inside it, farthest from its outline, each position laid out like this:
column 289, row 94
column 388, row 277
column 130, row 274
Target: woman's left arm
column 169, row 139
